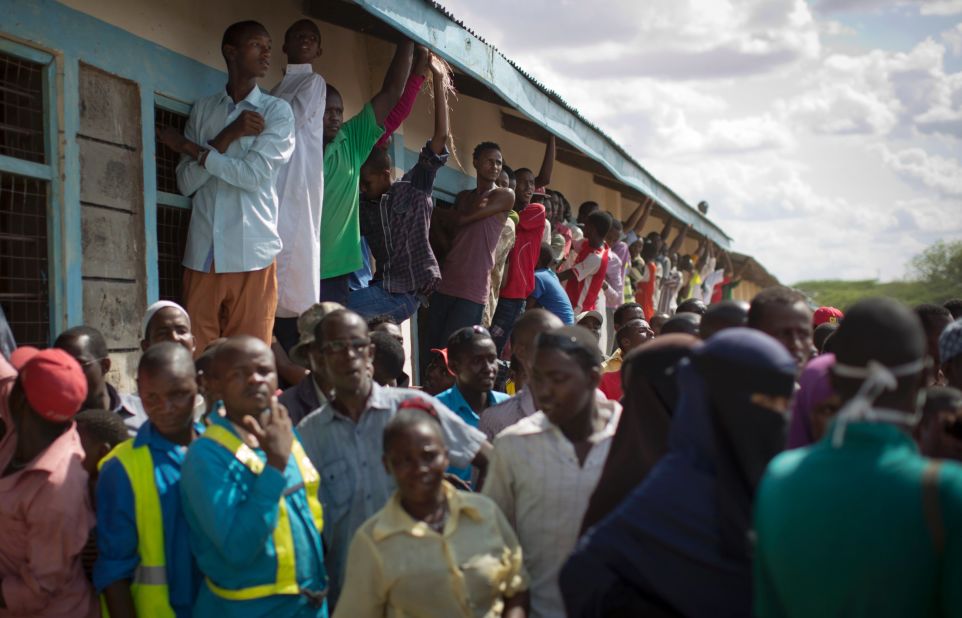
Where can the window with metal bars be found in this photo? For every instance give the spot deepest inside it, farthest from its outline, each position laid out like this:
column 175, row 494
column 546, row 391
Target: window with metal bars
column 173, row 211
column 24, row 260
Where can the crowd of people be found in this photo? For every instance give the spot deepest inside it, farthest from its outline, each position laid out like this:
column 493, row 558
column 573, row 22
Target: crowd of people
column 595, row 429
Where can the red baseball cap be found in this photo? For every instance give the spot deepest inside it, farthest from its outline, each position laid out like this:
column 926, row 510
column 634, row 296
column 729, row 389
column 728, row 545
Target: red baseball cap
column 826, row 314
column 444, row 354
column 52, row 381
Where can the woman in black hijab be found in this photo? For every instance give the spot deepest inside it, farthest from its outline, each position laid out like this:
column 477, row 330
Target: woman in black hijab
column 651, row 392
column 679, row 544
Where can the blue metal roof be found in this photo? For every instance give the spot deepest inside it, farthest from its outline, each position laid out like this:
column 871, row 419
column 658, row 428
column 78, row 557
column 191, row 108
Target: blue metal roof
column 431, row 24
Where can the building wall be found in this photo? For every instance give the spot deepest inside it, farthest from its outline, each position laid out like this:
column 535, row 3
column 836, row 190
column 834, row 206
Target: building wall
column 117, row 60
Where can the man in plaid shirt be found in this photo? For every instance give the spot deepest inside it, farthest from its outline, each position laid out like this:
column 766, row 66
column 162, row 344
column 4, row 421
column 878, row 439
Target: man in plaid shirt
column 395, row 219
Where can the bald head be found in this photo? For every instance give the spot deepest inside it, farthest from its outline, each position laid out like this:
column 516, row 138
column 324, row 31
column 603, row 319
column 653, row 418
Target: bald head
column 234, row 349
column 531, row 324
column 166, row 357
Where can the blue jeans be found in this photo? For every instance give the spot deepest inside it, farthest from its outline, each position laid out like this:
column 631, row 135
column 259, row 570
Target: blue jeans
column 507, row 313
column 447, row 314
column 374, row 300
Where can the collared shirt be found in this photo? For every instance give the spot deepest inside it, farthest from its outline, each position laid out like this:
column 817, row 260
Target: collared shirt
column 453, row 399
column 300, row 193
column 537, row 481
column 117, row 533
column 127, row 407
column 45, row 517
column 354, row 484
column 232, row 513
column 499, row 417
column 397, row 227
column 401, row 567
column 233, row 223
column 343, row 157
column 849, row 522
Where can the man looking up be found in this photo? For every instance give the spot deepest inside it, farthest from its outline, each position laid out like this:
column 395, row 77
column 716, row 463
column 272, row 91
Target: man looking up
column 250, row 497
column 396, row 218
column 44, row 496
column 783, row 314
column 89, row 348
column 300, row 183
column 232, row 149
column 499, row 417
column 142, row 535
column 346, row 147
column 867, row 465
column 465, row 281
column 344, row 437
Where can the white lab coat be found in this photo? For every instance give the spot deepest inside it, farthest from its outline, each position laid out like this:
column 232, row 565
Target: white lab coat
column 300, row 192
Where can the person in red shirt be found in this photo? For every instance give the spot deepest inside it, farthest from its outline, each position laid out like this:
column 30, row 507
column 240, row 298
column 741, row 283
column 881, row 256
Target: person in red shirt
column 583, row 272
column 645, row 290
column 44, row 499
column 522, row 261
column 633, row 334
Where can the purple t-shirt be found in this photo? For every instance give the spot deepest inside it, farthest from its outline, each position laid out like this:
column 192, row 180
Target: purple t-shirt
column 467, row 268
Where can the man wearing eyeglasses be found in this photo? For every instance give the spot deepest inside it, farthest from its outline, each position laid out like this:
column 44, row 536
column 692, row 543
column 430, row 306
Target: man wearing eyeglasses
column 88, row 347
column 343, row 438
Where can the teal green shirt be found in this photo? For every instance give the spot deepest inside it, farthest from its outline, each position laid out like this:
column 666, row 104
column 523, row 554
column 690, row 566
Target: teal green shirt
column 842, row 531
column 343, row 157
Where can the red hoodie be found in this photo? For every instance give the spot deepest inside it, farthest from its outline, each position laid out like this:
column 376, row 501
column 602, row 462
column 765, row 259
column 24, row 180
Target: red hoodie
column 523, row 258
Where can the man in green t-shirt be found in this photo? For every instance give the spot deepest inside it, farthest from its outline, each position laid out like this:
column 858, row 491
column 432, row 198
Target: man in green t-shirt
column 860, row 524
column 346, row 147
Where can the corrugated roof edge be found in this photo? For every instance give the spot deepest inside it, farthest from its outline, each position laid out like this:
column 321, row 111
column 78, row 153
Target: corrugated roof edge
column 431, row 24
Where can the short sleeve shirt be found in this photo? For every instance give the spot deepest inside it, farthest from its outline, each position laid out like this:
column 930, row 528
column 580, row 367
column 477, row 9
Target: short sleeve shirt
column 343, row 157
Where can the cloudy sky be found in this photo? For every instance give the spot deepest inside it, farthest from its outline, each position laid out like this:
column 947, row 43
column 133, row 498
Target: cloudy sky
column 825, row 135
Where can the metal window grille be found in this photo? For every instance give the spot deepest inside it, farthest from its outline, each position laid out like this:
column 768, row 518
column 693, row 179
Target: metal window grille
column 24, row 281
column 166, row 158
column 172, row 225
column 21, row 109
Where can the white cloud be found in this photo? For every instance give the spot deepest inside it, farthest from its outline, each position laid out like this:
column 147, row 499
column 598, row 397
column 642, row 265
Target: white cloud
column 942, row 174
column 953, row 39
column 941, row 7
column 877, row 92
column 670, row 39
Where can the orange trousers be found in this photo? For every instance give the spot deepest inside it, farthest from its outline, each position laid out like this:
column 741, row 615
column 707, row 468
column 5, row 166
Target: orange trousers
column 227, row 304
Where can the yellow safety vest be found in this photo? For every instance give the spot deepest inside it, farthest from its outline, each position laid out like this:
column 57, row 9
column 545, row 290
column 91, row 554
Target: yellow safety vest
column 149, row 584
column 285, row 582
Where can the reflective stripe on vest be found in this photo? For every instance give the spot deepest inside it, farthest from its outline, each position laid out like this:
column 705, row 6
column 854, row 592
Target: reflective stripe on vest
column 149, row 584
column 285, row 582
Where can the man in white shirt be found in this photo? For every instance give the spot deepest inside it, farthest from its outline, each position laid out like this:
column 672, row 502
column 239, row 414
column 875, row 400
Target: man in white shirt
column 232, row 148
column 545, row 467
column 300, row 183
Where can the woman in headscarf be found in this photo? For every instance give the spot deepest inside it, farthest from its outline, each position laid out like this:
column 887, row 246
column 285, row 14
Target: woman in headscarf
column 815, row 403
column 679, row 544
column 651, row 392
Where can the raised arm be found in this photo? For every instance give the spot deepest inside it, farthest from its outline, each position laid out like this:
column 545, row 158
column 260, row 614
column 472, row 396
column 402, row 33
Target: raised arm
column 666, row 231
column 385, row 100
column 640, row 224
column 402, row 109
column 497, row 201
column 632, row 220
column 676, row 245
column 547, row 164
column 441, row 124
